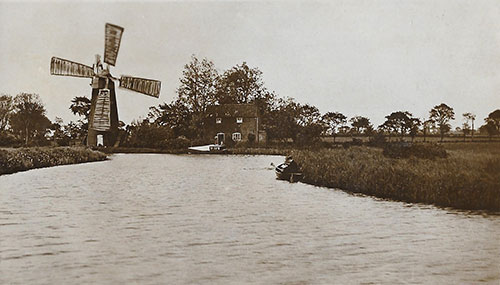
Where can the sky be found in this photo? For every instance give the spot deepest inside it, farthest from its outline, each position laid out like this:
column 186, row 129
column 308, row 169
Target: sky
column 367, row 58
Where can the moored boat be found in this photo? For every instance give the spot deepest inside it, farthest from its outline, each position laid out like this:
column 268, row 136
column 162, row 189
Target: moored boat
column 209, row 148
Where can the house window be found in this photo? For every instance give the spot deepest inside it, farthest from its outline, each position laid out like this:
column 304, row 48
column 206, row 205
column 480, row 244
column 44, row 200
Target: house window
column 239, row 120
column 236, row 137
column 218, row 120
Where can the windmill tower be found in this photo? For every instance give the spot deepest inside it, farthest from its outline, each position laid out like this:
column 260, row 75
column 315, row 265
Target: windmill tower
column 103, row 119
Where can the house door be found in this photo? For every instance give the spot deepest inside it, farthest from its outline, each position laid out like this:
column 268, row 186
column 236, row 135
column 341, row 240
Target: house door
column 220, row 138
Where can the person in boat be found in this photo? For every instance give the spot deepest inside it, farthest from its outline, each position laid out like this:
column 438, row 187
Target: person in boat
column 292, row 166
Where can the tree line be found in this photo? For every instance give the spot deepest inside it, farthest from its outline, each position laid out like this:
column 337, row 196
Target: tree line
column 23, row 118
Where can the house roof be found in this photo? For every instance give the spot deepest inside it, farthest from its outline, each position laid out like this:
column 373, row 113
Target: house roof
column 232, row 110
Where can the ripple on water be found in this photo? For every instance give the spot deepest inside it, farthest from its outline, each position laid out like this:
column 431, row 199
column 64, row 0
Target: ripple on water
column 225, row 219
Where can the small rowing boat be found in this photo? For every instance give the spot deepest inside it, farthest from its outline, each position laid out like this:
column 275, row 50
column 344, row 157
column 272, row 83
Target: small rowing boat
column 289, row 171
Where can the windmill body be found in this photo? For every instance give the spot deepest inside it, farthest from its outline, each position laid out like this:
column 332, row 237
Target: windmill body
column 103, row 119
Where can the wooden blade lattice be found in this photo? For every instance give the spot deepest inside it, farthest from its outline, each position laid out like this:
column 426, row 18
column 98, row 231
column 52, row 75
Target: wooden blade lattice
column 113, row 37
column 64, row 67
column 145, row 86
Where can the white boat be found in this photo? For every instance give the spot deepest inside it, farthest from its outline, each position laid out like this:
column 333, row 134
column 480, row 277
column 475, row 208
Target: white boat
column 208, row 148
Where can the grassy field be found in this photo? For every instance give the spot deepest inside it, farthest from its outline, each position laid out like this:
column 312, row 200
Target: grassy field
column 20, row 159
column 468, row 179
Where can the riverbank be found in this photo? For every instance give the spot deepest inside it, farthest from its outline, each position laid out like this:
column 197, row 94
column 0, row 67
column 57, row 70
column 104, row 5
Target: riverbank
column 249, row 151
column 111, row 150
column 468, row 179
column 20, row 159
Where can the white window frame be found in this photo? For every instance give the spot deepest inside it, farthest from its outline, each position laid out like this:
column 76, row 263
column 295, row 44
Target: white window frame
column 239, row 120
column 218, row 120
column 236, row 137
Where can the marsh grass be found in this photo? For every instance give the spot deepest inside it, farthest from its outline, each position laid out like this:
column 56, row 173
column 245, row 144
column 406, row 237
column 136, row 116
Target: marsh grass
column 466, row 179
column 259, row 151
column 20, row 159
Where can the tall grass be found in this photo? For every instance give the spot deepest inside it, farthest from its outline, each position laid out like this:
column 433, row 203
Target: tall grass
column 490, row 148
column 20, row 159
column 258, row 151
column 465, row 180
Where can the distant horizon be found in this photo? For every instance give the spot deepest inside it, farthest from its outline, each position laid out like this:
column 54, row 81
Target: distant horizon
column 354, row 57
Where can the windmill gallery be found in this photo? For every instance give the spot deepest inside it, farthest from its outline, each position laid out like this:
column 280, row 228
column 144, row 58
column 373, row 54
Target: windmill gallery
column 103, row 121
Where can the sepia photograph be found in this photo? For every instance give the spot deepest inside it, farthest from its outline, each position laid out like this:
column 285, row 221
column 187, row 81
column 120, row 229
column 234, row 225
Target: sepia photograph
column 250, row 142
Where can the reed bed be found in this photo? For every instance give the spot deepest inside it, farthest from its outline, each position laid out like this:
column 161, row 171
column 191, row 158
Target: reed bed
column 465, row 180
column 259, row 151
column 20, row 159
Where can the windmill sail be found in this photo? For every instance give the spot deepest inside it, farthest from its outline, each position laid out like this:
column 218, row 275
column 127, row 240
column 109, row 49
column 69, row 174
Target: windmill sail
column 64, row 67
column 113, row 37
column 141, row 85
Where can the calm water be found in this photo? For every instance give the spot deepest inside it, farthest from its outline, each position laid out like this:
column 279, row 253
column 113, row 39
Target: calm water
column 166, row 219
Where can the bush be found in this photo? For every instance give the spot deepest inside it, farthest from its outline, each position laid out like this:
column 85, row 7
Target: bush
column 406, row 150
column 20, row 159
column 7, row 139
column 354, row 142
column 378, row 140
column 177, row 143
column 195, row 142
column 309, row 135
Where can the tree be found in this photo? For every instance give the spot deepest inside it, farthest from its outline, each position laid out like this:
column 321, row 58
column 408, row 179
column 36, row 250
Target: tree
column 426, row 127
column 309, row 135
column 198, row 85
column 310, row 125
column 469, row 117
column 414, row 125
column 441, row 115
column 175, row 116
column 344, row 130
column 399, row 122
column 265, row 106
column 333, row 121
column 360, row 124
column 75, row 130
column 29, row 120
column 284, row 117
column 240, row 84
column 80, row 105
column 493, row 122
column 146, row 134
column 198, row 90
column 308, row 114
column 6, row 106
column 385, row 128
column 465, row 129
column 61, row 134
column 488, row 129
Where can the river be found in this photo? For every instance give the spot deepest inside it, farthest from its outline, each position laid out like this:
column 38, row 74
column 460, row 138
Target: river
column 198, row 219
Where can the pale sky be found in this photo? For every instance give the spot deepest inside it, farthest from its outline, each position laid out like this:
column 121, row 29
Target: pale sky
column 366, row 58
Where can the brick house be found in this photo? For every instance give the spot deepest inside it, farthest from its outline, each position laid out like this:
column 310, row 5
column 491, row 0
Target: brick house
column 232, row 123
